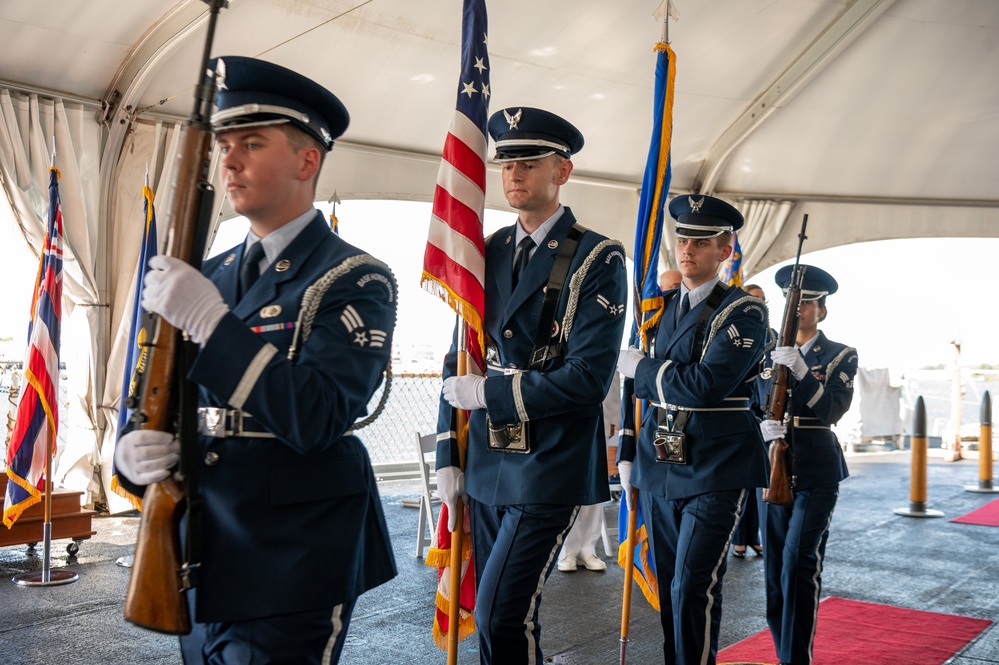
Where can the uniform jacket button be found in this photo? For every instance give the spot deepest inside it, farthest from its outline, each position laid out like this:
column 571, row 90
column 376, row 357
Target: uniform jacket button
column 508, row 333
column 211, row 458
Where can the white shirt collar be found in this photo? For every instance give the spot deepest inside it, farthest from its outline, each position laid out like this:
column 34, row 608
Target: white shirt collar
column 699, row 293
column 542, row 231
column 807, row 346
column 277, row 241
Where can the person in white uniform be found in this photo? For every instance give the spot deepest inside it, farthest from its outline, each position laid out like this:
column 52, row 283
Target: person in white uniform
column 580, row 546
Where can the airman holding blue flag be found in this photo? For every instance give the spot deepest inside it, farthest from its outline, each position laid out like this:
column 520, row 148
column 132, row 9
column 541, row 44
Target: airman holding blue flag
column 699, row 452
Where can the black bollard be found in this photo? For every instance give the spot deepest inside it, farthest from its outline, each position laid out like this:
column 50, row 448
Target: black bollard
column 917, row 483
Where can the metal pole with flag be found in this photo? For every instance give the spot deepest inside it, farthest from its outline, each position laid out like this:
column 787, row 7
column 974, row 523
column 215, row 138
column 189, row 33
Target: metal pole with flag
column 454, row 270
column 137, row 350
column 648, row 297
column 36, row 426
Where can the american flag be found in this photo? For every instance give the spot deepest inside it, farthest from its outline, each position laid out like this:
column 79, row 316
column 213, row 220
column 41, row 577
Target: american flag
column 37, row 420
column 454, row 268
column 453, row 264
column 136, row 353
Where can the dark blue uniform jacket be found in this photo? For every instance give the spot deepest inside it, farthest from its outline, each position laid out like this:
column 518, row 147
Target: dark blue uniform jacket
column 567, row 464
column 294, row 523
column 725, row 447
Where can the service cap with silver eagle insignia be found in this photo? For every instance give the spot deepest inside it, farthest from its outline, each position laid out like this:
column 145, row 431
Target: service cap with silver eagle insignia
column 523, row 133
column 815, row 282
column 701, row 216
column 256, row 93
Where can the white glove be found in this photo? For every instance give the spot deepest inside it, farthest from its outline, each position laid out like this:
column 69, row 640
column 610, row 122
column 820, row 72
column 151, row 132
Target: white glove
column 624, row 470
column 772, row 429
column 465, row 392
column 790, row 358
column 451, row 487
column 183, row 296
column 628, row 361
column 146, row 456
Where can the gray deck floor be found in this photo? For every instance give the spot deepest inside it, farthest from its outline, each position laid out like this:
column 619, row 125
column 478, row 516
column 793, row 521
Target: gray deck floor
column 873, row 555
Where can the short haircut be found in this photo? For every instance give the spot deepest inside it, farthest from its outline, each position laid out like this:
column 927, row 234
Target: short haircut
column 299, row 140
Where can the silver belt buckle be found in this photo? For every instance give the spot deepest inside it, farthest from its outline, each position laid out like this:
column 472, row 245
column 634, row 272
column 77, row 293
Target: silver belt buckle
column 211, row 421
column 214, row 421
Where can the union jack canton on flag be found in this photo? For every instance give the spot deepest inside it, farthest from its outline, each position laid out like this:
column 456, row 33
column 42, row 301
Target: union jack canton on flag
column 37, row 421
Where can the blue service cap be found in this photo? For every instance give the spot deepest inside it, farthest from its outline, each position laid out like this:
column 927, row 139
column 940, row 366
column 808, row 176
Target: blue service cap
column 521, row 132
column 255, row 93
column 703, row 216
column 815, row 283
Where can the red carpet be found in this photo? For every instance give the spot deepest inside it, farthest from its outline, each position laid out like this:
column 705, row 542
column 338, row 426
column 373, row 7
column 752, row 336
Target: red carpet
column 855, row 633
column 987, row 515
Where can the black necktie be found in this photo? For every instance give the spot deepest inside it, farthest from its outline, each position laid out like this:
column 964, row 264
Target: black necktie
column 520, row 265
column 684, row 307
column 249, row 269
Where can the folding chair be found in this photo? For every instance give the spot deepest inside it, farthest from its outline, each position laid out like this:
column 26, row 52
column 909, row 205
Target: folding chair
column 425, row 445
column 603, row 535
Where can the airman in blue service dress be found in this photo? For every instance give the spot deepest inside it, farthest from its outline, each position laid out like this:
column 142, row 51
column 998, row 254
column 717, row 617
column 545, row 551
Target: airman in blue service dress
column 292, row 529
column 794, row 537
column 523, row 503
column 699, row 453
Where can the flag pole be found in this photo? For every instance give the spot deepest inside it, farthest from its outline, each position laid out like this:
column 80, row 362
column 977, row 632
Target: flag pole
column 457, row 536
column 629, row 569
column 45, row 576
column 629, row 547
column 656, row 184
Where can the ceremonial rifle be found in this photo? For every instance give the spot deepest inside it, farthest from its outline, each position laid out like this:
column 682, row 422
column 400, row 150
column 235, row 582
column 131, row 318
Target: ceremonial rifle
column 156, row 590
column 781, row 490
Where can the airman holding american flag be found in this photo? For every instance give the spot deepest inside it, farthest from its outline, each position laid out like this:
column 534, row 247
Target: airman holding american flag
column 555, row 299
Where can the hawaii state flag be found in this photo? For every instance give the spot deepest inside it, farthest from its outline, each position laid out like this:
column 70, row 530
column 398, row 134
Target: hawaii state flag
column 37, row 422
column 454, row 265
column 136, row 354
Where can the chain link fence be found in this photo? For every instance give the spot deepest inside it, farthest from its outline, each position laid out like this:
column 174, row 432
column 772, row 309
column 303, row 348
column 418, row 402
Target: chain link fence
column 391, row 439
column 411, row 408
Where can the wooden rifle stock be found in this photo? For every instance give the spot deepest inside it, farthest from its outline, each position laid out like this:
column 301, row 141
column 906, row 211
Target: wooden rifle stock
column 156, row 590
column 781, row 492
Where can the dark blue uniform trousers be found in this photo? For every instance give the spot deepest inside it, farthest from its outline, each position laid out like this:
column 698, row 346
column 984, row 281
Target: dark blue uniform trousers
column 515, row 549
column 315, row 637
column 794, row 546
column 690, row 539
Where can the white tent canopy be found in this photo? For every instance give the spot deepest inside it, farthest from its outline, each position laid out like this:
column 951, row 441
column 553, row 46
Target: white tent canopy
column 878, row 118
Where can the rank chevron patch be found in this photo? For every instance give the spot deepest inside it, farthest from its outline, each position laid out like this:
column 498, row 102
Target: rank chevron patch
column 738, row 341
column 353, row 322
column 612, row 308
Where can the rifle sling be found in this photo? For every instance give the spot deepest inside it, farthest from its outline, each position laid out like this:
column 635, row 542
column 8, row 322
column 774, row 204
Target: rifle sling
column 187, row 429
